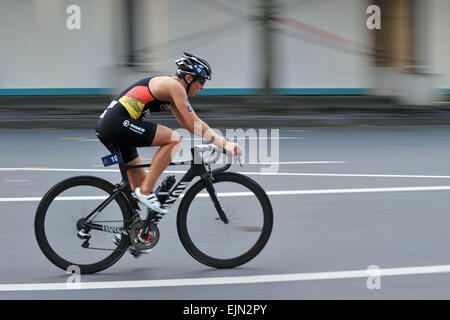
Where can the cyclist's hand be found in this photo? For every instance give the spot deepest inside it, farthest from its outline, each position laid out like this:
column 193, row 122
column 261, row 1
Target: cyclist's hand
column 233, row 148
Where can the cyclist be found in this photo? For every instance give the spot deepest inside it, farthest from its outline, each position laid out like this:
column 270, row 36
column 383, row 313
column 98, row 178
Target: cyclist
column 125, row 123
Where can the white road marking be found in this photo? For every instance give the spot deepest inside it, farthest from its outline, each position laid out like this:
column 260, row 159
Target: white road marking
column 167, row 171
column 201, row 141
column 275, row 162
column 346, row 175
column 330, row 191
column 270, row 193
column 350, row 274
column 59, row 169
column 255, row 173
column 31, row 199
column 296, row 162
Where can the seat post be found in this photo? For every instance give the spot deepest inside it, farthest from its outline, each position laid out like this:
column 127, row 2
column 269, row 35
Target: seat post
column 123, row 171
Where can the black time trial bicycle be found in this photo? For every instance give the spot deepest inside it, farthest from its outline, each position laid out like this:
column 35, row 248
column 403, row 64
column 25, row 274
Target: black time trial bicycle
column 224, row 219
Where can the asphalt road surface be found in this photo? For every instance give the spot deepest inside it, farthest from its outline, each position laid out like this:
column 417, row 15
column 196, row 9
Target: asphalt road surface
column 360, row 213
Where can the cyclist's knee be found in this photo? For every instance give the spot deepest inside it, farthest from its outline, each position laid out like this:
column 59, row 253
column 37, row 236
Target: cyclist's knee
column 166, row 136
column 175, row 139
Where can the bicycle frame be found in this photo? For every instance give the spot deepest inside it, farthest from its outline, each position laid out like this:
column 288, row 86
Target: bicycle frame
column 198, row 168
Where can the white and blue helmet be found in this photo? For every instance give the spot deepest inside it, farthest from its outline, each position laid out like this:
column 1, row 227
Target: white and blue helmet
column 194, row 65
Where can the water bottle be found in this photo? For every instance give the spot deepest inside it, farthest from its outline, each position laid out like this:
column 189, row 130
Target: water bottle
column 162, row 192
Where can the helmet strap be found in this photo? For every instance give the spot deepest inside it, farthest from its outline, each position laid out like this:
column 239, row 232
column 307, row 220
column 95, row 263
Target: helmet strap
column 188, row 84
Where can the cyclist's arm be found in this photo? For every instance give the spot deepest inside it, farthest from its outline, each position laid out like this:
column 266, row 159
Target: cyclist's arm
column 187, row 117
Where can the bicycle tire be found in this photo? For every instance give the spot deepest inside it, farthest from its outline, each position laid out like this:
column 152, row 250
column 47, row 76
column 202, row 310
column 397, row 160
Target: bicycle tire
column 39, row 223
column 206, row 259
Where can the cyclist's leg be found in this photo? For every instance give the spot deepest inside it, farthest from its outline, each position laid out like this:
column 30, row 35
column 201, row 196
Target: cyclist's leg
column 170, row 142
column 131, row 157
column 136, row 176
column 131, row 133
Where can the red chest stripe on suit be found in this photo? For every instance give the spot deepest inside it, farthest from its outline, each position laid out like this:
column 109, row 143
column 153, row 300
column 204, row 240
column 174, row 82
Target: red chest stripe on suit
column 140, row 93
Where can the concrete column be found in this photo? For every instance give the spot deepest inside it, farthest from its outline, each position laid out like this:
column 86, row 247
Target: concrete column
column 403, row 52
column 267, row 46
column 150, row 27
column 418, row 82
column 154, row 32
column 393, row 46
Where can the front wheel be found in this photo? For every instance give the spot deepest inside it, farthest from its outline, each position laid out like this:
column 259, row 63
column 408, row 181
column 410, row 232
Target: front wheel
column 225, row 245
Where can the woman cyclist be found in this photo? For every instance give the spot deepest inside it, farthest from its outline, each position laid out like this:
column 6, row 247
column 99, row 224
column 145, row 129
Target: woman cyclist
column 122, row 123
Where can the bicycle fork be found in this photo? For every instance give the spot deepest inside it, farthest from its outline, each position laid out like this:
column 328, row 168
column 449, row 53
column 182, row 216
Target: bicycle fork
column 207, row 181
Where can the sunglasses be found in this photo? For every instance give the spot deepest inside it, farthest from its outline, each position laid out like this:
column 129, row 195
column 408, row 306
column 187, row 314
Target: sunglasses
column 201, row 80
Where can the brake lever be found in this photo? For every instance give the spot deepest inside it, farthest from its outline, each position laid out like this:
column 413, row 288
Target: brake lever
column 240, row 159
column 216, row 157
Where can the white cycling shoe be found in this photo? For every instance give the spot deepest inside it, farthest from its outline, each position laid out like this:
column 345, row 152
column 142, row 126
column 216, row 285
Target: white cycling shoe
column 151, row 201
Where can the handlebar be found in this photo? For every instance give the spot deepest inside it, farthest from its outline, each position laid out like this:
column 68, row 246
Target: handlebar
column 212, row 159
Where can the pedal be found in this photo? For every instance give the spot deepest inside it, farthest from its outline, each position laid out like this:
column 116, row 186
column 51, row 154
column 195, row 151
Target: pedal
column 85, row 244
column 135, row 252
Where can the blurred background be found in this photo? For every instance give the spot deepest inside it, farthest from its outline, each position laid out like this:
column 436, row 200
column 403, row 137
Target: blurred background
column 351, row 191
column 68, row 57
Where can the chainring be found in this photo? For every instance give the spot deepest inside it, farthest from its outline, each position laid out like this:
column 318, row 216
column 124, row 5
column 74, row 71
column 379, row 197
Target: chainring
column 144, row 235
